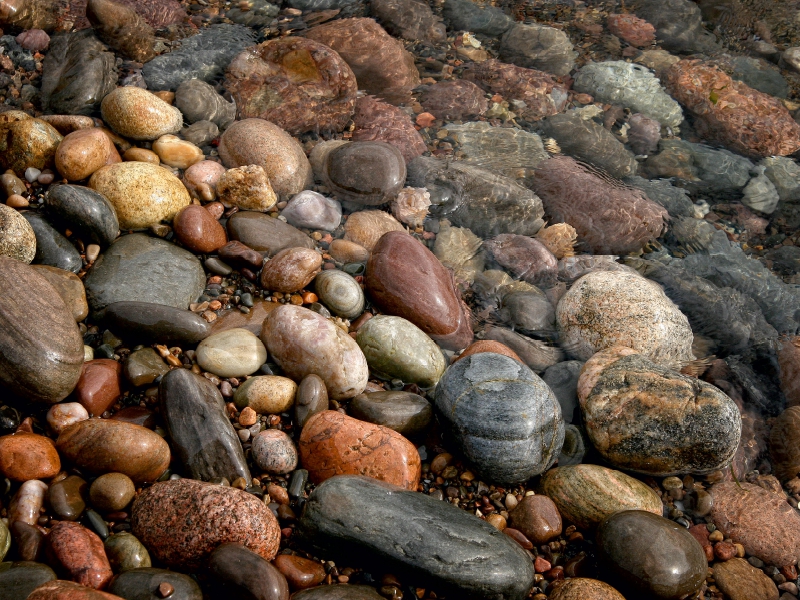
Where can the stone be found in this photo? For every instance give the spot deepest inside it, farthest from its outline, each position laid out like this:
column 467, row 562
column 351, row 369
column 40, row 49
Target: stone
column 40, row 359
column 562, row 379
column 34, row 40
column 583, row 588
column 302, row 342
column 79, row 552
column 67, row 590
column 607, row 308
column 266, row 234
column 344, row 251
column 395, row 348
column 28, row 143
column 409, row 19
column 340, row 293
column 538, row 47
column 19, row 579
column 52, row 248
column 721, row 170
column 239, row 572
column 25, row 456
column 148, row 322
column 643, row 135
column 783, row 444
column 311, row 398
column 313, row 211
column 83, row 152
column 111, row 492
column 140, row 115
column 487, row 346
column 379, row 62
column 423, row 547
column 339, row 592
column 201, row 133
column 199, row 101
column 144, row 269
column 17, row 237
column 144, row 366
column 398, row 265
column 377, row 121
column 125, row 552
column 454, row 100
column 231, row 353
column 411, row 206
column 525, row 258
column 122, row 28
column 784, row 173
column 312, row 87
column 237, row 254
column 246, row 187
column 141, row 193
column 679, row 25
column 102, row 445
column 675, row 199
column 261, row 143
column 760, row 520
column 252, row 321
column 198, row 230
column 759, row 193
column 99, row 385
column 537, row 355
column 291, row 270
column 757, row 73
column 652, row 554
column 176, row 152
column 67, row 497
column 274, row 452
column 143, row 584
column 182, row 521
column 464, row 15
column 528, row 312
column 366, row 227
column 266, row 394
column 739, row 580
column 537, row 517
column 60, row 416
column 406, row 413
column 148, row 156
column 201, row 179
column 630, row 28
column 85, row 211
column 365, row 173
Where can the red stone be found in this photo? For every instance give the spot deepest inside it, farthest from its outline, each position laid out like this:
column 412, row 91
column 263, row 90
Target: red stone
column 290, row 270
column 724, row 550
column 136, row 415
column 538, row 518
column 239, row 255
column 630, row 28
column 25, row 456
column 301, row 573
column 80, row 552
column 540, row 565
column 99, row 385
column 377, row 121
column 157, row 13
column 454, row 100
column 519, row 537
column 198, row 230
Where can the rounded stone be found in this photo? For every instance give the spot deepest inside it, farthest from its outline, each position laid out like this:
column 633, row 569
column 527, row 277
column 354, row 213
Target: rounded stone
column 247, row 187
column 20, row 578
column 611, row 308
column 27, row 142
column 143, row 584
column 266, row 394
column 487, row 346
column 67, row 590
column 739, row 580
column 238, row 572
column 177, row 153
column 583, row 588
column 146, row 322
column 17, row 238
column 60, row 416
column 340, row 293
column 140, row 115
column 397, row 349
column 67, row 498
column 198, row 230
column 83, row 152
column 538, row 518
column 79, row 551
column 311, row 398
column 201, row 176
column 365, row 228
column 99, row 385
column 142, row 155
column 232, row 353
column 125, row 552
column 367, row 173
column 291, row 270
column 406, row 413
column 25, row 456
column 69, row 287
column 313, row 211
column 111, row 492
column 274, row 452
column 301, row 573
column 344, row 251
column 142, row 194
column 85, row 211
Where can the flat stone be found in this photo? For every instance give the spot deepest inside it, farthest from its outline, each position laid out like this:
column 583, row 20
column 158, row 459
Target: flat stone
column 111, row 492
column 231, row 353
column 300, row 572
column 25, row 456
column 739, row 580
column 69, row 287
column 148, row 322
column 79, row 552
column 144, row 366
column 99, row 385
column 19, row 579
column 366, row 173
column 52, row 248
column 143, row 584
column 18, row 239
column 406, row 413
column 85, row 211
column 237, row 571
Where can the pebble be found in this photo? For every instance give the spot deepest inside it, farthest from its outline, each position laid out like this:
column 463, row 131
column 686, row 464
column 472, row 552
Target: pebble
column 637, row 32
column 125, row 552
column 365, row 173
column 140, row 115
column 454, row 100
column 340, row 293
column 79, row 552
column 462, row 15
column 738, row 580
column 148, row 322
column 266, row 394
column 300, row 573
column 274, row 452
column 25, row 456
column 198, row 230
column 143, row 367
column 365, row 228
column 199, row 101
column 525, row 258
column 175, row 152
column 111, row 492
column 239, row 571
column 83, row 152
column 376, row 121
column 69, row 287
column 143, row 155
column 291, row 270
column 123, row 29
column 339, row 592
column 17, row 237
column 538, row 47
column 404, row 412
column 562, row 378
column 487, row 346
column 313, row 211
column 28, row 143
column 52, row 248
column 583, row 588
column 60, row 416
column 232, row 353
column 537, row 517
column 311, row 398
column 409, row 19
column 345, row 251
column 247, row 187
column 265, row 234
column 85, row 211
column 142, row 582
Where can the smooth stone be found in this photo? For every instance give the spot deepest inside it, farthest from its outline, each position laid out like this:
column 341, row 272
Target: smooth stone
column 252, row 321
column 536, row 46
column 28, row 540
column 85, row 211
column 501, row 415
column 17, row 236
column 25, row 456
column 266, row 394
column 83, row 152
column 291, row 270
column 397, row 349
column 365, row 228
column 487, row 346
column 582, row 588
column 176, row 152
column 376, row 121
column 52, row 248
column 148, row 322
column 79, row 552
column 340, row 293
column 111, row 492
column 338, row 592
column 136, row 415
column 274, row 452
column 239, row 572
column 200, row 134
column 143, row 584
column 103, row 445
column 231, row 353
column 19, row 579
column 301, row 573
column 199, row 101
column 656, row 556
column 302, row 342
column 142, row 155
column 313, row 211
column 406, row 413
column 141, row 193
column 241, row 256
column 122, row 28
column 140, row 115
column 125, row 552
column 182, row 521
column 60, row 416
column 99, row 385
column 463, row 15
column 423, row 547
column 562, row 379
column 739, row 580
column 311, row 398
column 366, row 173
column 524, row 258
column 67, row 497
column 587, row 494
column 144, row 366
column 67, row 590
column 266, row 234
column 144, row 269
column 332, row 443
column 69, row 287
column 346, row 251
column 538, row 518
column 197, row 422
column 198, row 230
column 27, row 143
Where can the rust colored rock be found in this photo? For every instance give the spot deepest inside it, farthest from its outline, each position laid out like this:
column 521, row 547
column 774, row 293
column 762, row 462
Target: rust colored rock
column 761, row 521
column 298, row 84
column 487, row 346
column 182, row 521
column 332, row 443
column 156, row 13
column 291, row 270
column 198, row 230
column 541, row 93
column 538, row 518
column 104, row 446
column 67, row 590
column 630, row 28
column 405, row 279
column 377, row 121
column 25, row 456
column 79, row 552
column 99, row 385
column 83, row 152
column 789, row 362
column 784, row 444
column 608, row 216
column 239, row 255
column 731, row 113
column 301, row 573
column 381, row 64
column 122, row 28
column 454, row 100
column 525, row 258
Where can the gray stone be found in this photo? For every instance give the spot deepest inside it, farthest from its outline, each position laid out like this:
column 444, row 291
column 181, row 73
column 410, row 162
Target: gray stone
column 142, row 584
column 562, row 379
column 198, row 101
column 760, row 194
column 678, row 23
column 538, row 47
column 259, row 13
column 534, row 353
column 200, row 133
column 716, row 169
column 437, row 543
column 265, row 234
column 464, row 15
column 238, row 572
column 144, row 366
column 339, row 592
column 530, row 312
column 409, row 19
column 52, row 248
column 501, row 415
column 758, row 74
column 675, row 199
column 141, row 268
column 404, row 412
column 348, row 8
column 85, row 211
column 340, row 292
column 313, row 211
column 145, row 322
column 19, row 579
column 784, row 173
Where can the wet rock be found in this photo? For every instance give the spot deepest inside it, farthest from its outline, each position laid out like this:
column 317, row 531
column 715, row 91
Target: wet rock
column 313, row 211
column 27, row 142
column 140, row 115
column 675, row 199
column 338, row 592
column 562, row 379
column 366, row 227
column 231, row 353
column 340, row 293
column 67, row 498
column 759, row 193
column 60, row 416
column 274, row 452
column 678, row 23
column 99, row 385
column 239, row 572
column 177, row 153
column 720, row 170
column 464, row 15
column 789, row 363
column 18, row 237
column 52, row 248
column 460, row 250
column 637, row 32
column 525, row 258
column 291, row 270
column 537, row 517
column 122, row 28
column 409, row 19
column 300, row 572
column 311, row 398
column 111, row 492
column 406, row 413
column 25, row 456
column 199, row 101
column 644, row 134
column 538, row 47
column 67, row 590
column 198, row 230
column 19, row 579
column 739, row 580
column 784, row 173
column 148, row 322
column 83, row 152
column 257, row 14
column 246, row 187
column 79, row 552
column 85, row 211
column 534, row 353
column 377, row 121
column 200, row 133
column 487, row 346
column 755, row 72
column 266, row 234
column 144, row 366
column 345, row 251
column 454, row 100
column 366, row 173
column 143, row 584
column 69, row 287
column 125, row 552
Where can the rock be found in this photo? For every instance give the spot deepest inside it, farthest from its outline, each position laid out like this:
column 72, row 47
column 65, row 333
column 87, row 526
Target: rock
column 291, row 270
column 66, row 590
column 380, row 63
column 17, row 237
column 377, row 121
column 78, row 72
column 259, row 142
column 529, row 312
column 760, row 520
column 198, row 230
column 534, row 353
column 69, row 287
column 312, row 87
column 411, row 206
column 144, row 366
column 148, row 322
column 143, row 584
column 231, row 353
column 19, row 579
column 464, row 15
column 246, row 187
column 397, row 349
column 340, row 293
column 675, row 199
column 338, row 592
column 25, row 456
column 182, row 521
column 274, row 452
column 487, row 346
column 79, row 552
column 720, row 170
column 589, row 325
column 199, row 101
column 525, row 258
column 460, row 250
column 252, row 321
column 759, row 193
column 102, row 445
column 366, row 227
column 644, row 134
column 538, row 47
column 654, row 555
column 344, row 251
column 144, row 269
column 398, row 265
column 61, row 416
column 140, row 115
column 406, row 413
column 34, row 40
column 757, row 73
column 300, row 572
column 637, row 32
column 197, row 422
column 366, row 173
column 562, row 379
column 313, row 211
column 789, row 363
column 27, row 143
column 201, row 179
column 99, row 385
column 125, row 552
column 784, row 173
column 587, row 494
column 302, row 342
column 40, row 359
column 537, row 517
column 311, row 398
column 582, row 588
column 266, row 234
column 67, row 497
column 739, row 580
column 239, row 572
column 423, row 547
column 85, row 211
column 83, row 152
column 177, row 153
column 678, row 24
column 52, row 248
column 201, row 133
column 409, row 19
column 266, row 394
column 111, row 492
column 454, row 100
column 122, row 28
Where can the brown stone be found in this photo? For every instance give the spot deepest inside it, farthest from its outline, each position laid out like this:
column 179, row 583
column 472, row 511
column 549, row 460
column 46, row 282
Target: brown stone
column 487, row 346
column 79, row 552
column 198, row 230
column 784, row 444
column 789, row 362
column 409, row 19
column 301, row 573
column 67, row 590
column 27, row 143
column 182, row 521
column 102, row 446
column 405, row 279
column 69, row 286
column 310, row 87
column 291, row 270
column 377, row 121
column 99, row 385
column 122, row 28
column 142, row 155
column 538, row 518
column 247, row 188
column 630, row 28
column 239, row 255
column 266, row 234
column 454, row 100
column 524, row 258
column 311, row 398
column 332, row 443
column 739, row 580
column 136, row 415
column 66, row 124
column 25, row 456
column 700, row 533
column 345, row 251
column 366, row 227
column 252, row 321
column 111, row 492
column 582, row 588
column 82, row 152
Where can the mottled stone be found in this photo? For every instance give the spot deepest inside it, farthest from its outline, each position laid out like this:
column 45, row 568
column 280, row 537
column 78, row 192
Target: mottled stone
column 340, row 293
column 199, row 101
column 62, row 415
column 176, row 152
column 111, row 492
column 28, row 143
column 538, row 47
column 465, row 15
column 19, row 579
column 25, row 456
column 274, row 452
column 313, row 211
column 237, row 571
column 198, row 230
column 122, row 28
column 144, row 366
column 99, row 385
column 409, row 19
column 85, row 211
column 291, row 270
column 454, row 100
column 83, row 152
column 366, row 173
column 140, row 115
column 366, row 227
column 246, row 187
column 630, row 28
column 79, row 552
column 143, row 584
column 311, row 398
column 52, row 248
column 147, row 322
column 377, row 121
column 17, row 237
column 784, row 444
column 525, row 258
column 125, row 552
column 582, row 588
column 739, row 580
column 266, row 394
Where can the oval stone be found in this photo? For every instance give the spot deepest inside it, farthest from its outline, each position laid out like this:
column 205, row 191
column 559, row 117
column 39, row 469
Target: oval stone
column 40, row 359
column 503, row 417
column 85, row 211
column 232, row 353
column 266, row 394
column 99, row 385
column 538, row 518
column 67, row 497
column 198, row 230
column 367, row 173
column 311, row 398
column 19, row 579
column 363, row 229
column 140, row 115
column 126, row 552
column 332, row 443
column 52, row 248
column 313, row 211
column 143, row 584
column 587, row 494
column 582, row 588
column 79, row 552
column 340, row 293
column 237, row 572
column 274, row 452
column 69, row 286
column 266, row 234
column 302, row 342
column 67, row 590
column 83, row 152
column 145, row 322
column 291, row 270
column 102, row 446
column 17, row 238
column 27, row 143
column 406, row 413
column 111, row 492
column 25, row 456
column 182, row 521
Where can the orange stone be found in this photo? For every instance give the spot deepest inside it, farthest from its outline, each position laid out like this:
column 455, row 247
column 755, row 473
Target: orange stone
column 99, row 385
column 332, row 443
column 83, row 152
column 198, row 230
column 25, row 456
column 80, row 552
column 301, row 573
column 487, row 346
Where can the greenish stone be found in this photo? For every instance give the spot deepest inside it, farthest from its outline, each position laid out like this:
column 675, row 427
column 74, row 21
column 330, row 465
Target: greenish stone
column 125, row 552
column 19, row 579
column 144, row 366
column 5, row 540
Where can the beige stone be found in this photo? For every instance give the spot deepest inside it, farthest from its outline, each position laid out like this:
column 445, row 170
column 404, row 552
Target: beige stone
column 175, row 152
column 266, row 394
column 83, row 152
column 247, row 187
column 140, row 115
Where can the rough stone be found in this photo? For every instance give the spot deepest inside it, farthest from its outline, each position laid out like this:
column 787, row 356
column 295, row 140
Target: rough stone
column 538, row 47
column 739, row 580
column 79, row 552
column 17, row 237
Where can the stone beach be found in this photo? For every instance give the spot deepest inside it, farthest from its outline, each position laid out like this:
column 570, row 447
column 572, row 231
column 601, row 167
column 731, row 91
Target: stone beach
column 399, row 299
